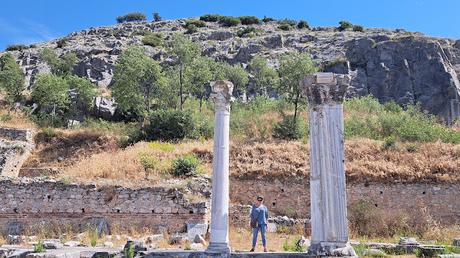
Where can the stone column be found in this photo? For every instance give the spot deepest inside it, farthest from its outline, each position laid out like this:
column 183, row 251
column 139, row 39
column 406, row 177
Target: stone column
column 329, row 226
column 221, row 95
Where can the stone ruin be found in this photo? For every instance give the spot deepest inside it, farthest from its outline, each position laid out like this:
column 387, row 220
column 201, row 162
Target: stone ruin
column 15, row 146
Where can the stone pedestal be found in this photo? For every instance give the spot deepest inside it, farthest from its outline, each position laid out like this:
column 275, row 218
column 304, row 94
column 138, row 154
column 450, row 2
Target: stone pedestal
column 221, row 95
column 329, row 227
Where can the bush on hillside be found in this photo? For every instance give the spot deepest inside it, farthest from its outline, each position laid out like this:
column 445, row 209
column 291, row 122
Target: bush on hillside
column 191, row 29
column 131, row 17
column 286, row 24
column 229, row 21
column 303, row 25
column 248, row 31
column 345, row 25
column 152, row 39
column 186, row 166
column 249, row 20
column 16, row 47
column 358, row 28
column 287, row 129
column 169, row 125
column 210, row 17
column 267, row 19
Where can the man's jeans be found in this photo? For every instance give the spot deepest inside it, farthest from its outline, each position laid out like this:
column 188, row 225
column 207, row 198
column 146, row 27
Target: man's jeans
column 263, row 232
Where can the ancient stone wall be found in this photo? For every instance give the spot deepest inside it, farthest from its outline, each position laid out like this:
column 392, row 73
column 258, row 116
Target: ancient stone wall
column 29, row 203
column 292, row 197
column 15, row 147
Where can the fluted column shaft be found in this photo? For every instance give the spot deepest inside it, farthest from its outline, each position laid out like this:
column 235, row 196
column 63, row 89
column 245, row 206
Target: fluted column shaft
column 221, row 95
column 329, row 226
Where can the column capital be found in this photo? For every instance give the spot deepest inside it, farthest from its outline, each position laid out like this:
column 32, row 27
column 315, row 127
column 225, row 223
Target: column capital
column 325, row 88
column 222, row 94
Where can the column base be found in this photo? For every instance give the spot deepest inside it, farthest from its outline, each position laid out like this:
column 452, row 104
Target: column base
column 332, row 249
column 214, row 247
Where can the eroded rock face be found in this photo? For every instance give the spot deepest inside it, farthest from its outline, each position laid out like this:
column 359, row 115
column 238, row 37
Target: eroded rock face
column 389, row 64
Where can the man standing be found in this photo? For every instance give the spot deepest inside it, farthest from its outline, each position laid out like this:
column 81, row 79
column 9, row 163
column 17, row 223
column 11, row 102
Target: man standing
column 259, row 217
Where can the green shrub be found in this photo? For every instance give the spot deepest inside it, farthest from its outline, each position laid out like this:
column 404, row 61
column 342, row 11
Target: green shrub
column 131, row 17
column 249, row 20
column 303, row 25
column 39, row 247
column 358, row 28
column 287, row 129
column 197, row 23
column 185, row 166
column 129, row 252
column 285, row 27
column 345, row 25
column 286, row 24
column 152, row 39
column 16, row 47
column 267, row 19
column 248, row 31
column 210, row 17
column 191, row 29
column 169, row 125
column 229, row 21
column 389, row 143
column 293, row 247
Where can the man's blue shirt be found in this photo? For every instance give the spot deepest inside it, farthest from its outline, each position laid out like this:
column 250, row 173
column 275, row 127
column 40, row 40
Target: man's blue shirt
column 260, row 213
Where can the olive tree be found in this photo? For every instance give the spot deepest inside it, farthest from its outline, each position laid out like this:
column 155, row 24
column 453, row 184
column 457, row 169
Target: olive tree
column 137, row 82
column 264, row 76
column 11, row 78
column 293, row 68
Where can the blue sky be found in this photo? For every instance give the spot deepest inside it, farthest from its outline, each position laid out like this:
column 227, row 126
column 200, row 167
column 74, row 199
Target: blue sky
column 30, row 21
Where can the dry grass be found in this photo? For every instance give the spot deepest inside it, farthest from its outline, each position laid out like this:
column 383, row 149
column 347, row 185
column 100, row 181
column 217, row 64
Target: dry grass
column 241, row 240
column 141, row 164
column 366, row 161
column 61, row 148
column 14, row 119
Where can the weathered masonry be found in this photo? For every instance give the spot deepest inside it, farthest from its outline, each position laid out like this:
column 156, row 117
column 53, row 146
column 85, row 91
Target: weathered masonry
column 30, row 203
column 15, row 146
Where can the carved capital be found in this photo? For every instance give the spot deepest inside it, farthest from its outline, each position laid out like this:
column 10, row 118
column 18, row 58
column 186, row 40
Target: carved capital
column 222, row 95
column 325, row 88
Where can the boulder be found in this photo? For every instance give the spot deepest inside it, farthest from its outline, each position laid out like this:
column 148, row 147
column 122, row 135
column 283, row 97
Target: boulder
column 374, row 253
column 273, row 41
column 137, row 245
column 221, row 35
column 194, row 229
column 52, row 244
column 101, row 225
column 72, row 243
column 13, row 239
column 303, row 243
column 104, row 108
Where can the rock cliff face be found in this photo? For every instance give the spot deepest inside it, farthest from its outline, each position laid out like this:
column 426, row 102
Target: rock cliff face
column 389, row 64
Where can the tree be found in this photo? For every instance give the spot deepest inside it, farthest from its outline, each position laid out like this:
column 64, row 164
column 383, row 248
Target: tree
column 238, row 76
column 11, row 78
column 137, row 81
column 198, row 74
column 130, row 17
column 185, row 51
column 51, row 92
column 59, row 65
column 293, row 68
column 84, row 92
column 264, row 76
column 156, row 17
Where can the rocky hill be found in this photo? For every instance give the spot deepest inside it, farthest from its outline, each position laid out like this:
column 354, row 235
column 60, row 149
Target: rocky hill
column 389, row 64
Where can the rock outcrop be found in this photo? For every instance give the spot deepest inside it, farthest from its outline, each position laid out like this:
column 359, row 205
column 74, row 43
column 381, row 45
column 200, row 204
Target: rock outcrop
column 390, row 64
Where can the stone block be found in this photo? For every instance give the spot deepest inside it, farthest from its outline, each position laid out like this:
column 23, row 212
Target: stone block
column 194, row 229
